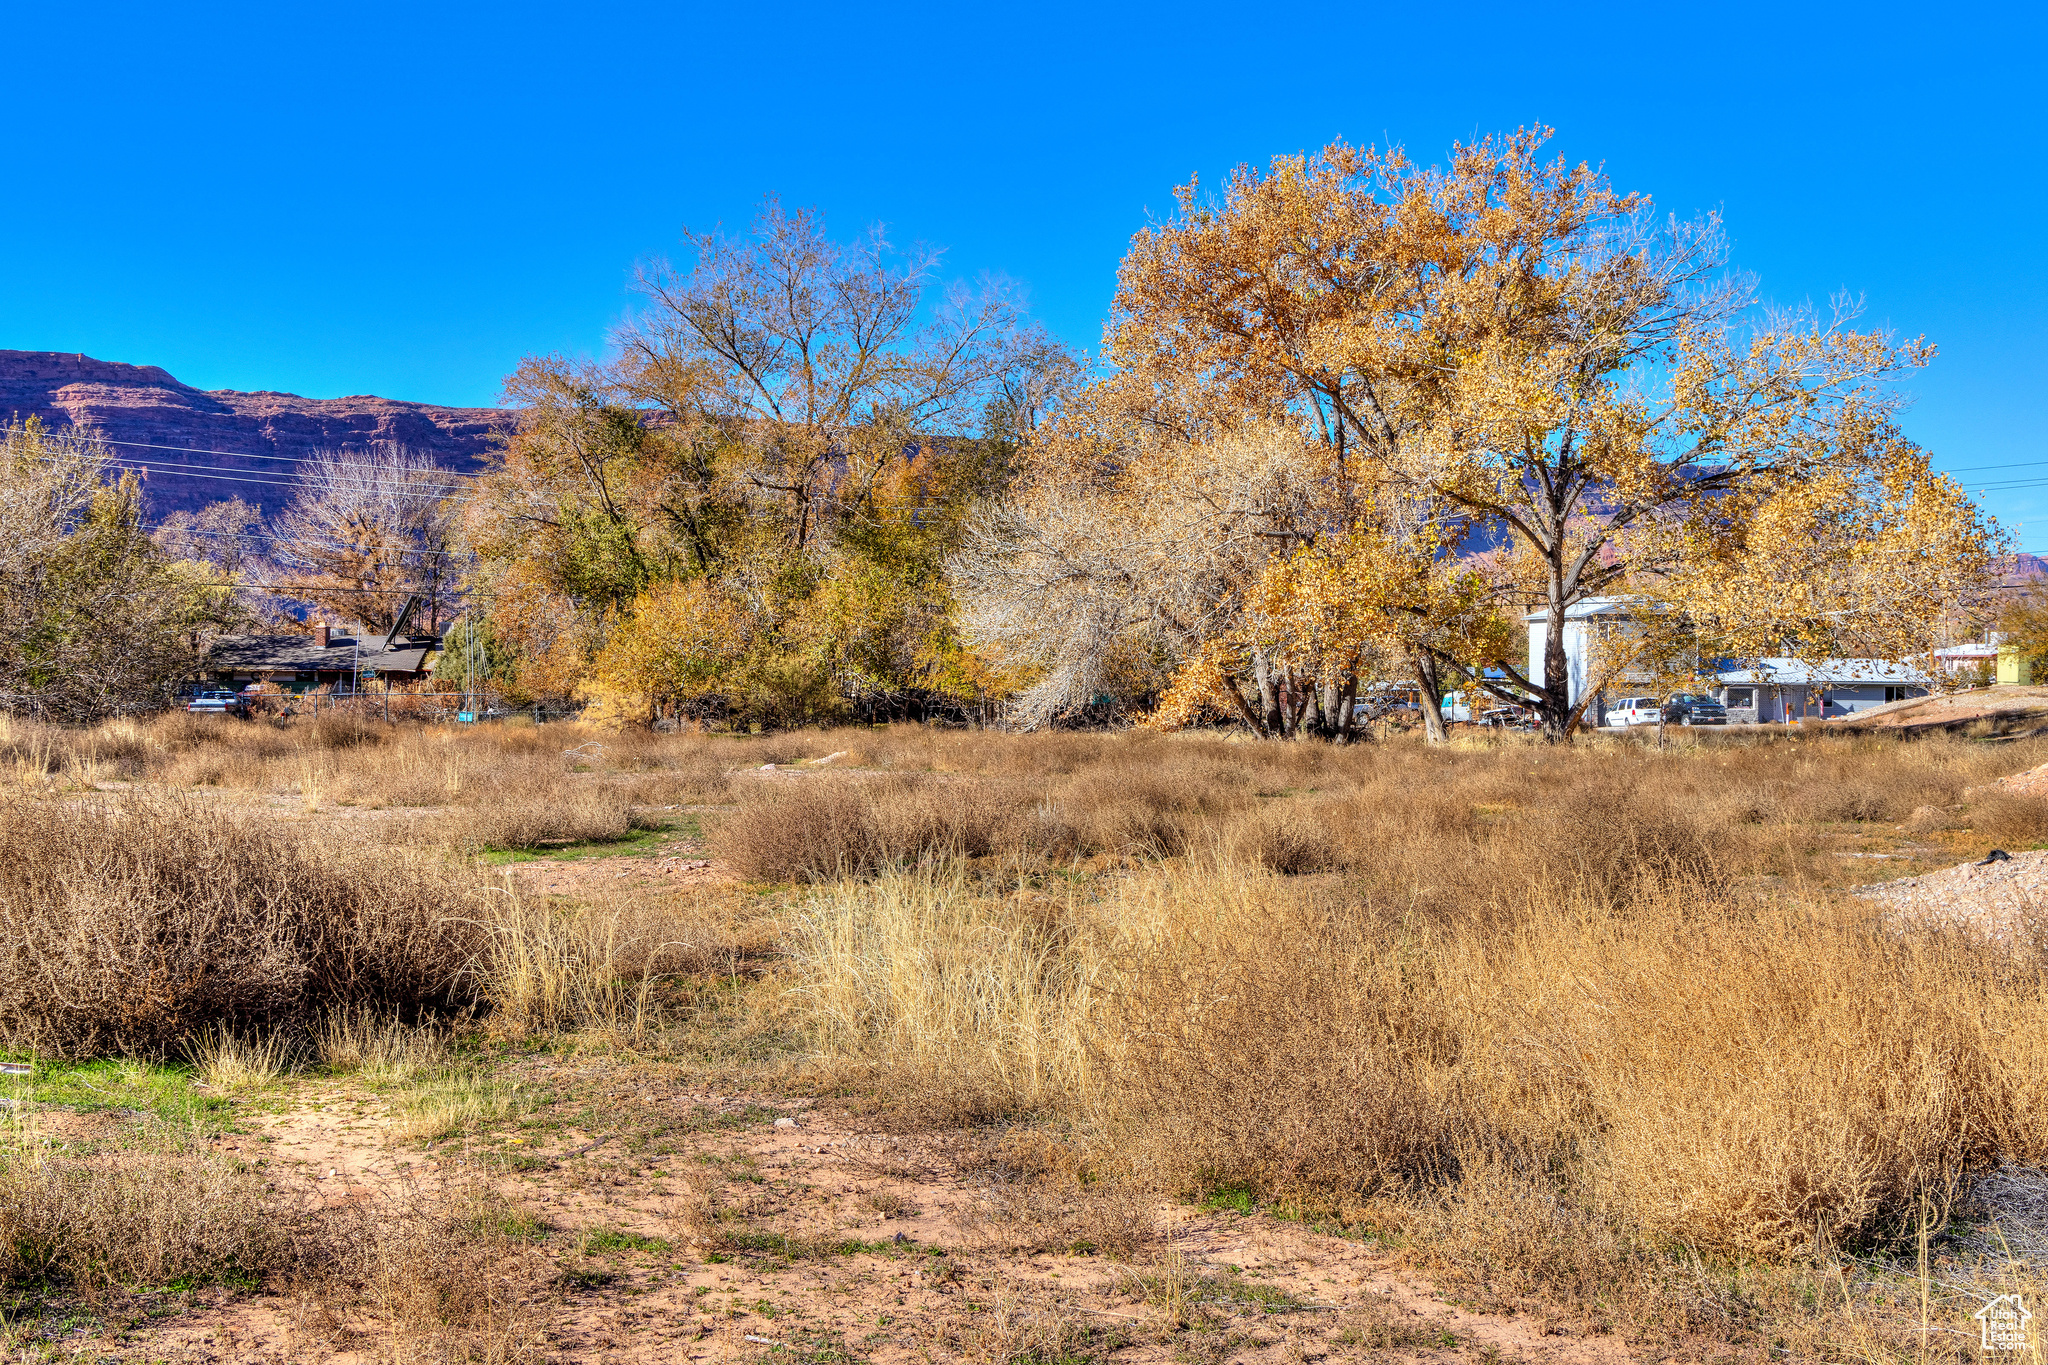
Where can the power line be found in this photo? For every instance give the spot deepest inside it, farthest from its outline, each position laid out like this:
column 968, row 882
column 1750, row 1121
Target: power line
column 239, row 454
column 300, row 459
column 306, row 481
column 1977, row 468
column 284, row 540
column 210, row 472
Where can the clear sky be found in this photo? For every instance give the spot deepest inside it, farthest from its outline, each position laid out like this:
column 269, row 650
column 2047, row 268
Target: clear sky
column 404, row 199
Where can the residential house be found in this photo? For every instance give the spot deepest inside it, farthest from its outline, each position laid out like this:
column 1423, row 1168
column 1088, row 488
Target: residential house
column 1777, row 689
column 334, row 658
column 1786, row 689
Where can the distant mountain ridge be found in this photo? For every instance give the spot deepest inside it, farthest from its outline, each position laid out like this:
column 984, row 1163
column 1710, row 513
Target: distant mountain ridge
column 144, row 404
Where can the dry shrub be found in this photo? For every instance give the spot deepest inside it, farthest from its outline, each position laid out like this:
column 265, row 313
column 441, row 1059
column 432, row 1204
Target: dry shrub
column 819, row 827
column 550, row 967
column 1157, row 809
column 142, row 1218
column 1747, row 1077
column 1116, row 1219
column 1754, row 1077
column 1042, row 1331
column 1518, row 1235
column 454, row 1276
column 699, row 774
column 132, row 924
column 1311, row 1062
column 1288, row 839
column 225, row 1060
column 451, row 1105
column 979, row 998
column 379, row 1047
column 510, row 815
column 2004, row 817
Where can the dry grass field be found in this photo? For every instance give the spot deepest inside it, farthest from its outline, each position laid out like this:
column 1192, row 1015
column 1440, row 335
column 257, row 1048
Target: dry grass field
column 338, row 1041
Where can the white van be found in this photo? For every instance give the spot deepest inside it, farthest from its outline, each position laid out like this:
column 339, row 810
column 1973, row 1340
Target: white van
column 1634, row 711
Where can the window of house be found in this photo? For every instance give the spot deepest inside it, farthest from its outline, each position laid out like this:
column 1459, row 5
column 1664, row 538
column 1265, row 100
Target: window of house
column 1742, row 696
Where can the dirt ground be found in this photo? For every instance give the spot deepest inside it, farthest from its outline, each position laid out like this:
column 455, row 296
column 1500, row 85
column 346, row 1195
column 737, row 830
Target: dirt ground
column 852, row 1243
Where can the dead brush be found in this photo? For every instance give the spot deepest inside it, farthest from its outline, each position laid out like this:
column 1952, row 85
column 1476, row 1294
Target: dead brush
column 705, row 1221
column 2008, row 818
column 146, row 1218
column 1020, row 1331
column 1749, row 1077
column 554, row 968
column 1114, row 1219
column 440, row 1277
column 966, row 992
column 498, row 811
column 822, row 827
column 138, row 922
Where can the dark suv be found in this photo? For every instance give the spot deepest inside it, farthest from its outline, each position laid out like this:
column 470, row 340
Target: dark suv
column 1688, row 709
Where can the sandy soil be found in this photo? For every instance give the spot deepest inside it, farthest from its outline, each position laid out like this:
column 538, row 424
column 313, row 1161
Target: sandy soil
column 2002, row 899
column 2032, row 782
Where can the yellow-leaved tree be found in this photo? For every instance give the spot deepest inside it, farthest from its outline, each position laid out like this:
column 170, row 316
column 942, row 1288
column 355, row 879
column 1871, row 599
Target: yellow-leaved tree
column 1553, row 377
column 745, row 513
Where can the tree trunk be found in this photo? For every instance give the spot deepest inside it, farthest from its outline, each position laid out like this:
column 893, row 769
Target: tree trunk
column 1271, row 716
column 1430, row 685
column 1347, row 705
column 1554, row 703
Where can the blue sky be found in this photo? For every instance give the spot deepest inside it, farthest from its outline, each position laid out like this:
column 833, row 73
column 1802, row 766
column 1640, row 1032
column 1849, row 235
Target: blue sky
column 404, row 199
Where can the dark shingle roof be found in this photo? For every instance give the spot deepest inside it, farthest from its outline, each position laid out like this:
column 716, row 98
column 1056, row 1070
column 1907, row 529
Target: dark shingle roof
column 233, row 653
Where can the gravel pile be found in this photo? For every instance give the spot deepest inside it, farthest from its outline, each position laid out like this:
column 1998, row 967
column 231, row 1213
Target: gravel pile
column 1998, row 899
column 2032, row 782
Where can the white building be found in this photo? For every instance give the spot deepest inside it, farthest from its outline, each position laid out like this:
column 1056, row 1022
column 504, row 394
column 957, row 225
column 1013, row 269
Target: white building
column 1582, row 622
column 1774, row 690
column 1820, row 689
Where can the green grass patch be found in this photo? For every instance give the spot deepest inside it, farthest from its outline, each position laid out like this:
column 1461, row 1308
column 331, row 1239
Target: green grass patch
column 120, row 1085
column 639, row 843
column 1231, row 1199
column 788, row 1248
column 1228, row 1290
column 596, row 1241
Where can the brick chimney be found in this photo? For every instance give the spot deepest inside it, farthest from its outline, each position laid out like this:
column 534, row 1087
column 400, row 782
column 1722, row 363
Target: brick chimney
column 320, row 634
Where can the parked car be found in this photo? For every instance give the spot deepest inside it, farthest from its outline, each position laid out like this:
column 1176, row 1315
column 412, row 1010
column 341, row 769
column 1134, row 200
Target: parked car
column 1687, row 708
column 216, row 702
column 1455, row 709
column 1633, row 711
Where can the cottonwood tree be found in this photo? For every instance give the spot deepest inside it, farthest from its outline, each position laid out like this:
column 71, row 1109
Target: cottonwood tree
column 227, row 536
column 1244, row 574
column 830, row 360
column 94, row 619
column 783, row 442
column 1543, row 362
column 228, row 544
column 366, row 529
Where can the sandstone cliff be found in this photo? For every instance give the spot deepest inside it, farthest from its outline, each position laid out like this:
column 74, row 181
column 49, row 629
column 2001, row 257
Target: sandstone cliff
column 141, row 406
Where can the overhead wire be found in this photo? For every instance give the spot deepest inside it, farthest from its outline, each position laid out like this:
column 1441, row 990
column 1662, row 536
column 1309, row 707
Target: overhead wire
column 234, row 454
column 286, row 540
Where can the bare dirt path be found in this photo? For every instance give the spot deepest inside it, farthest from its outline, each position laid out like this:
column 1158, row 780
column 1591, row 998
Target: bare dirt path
column 693, row 1226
